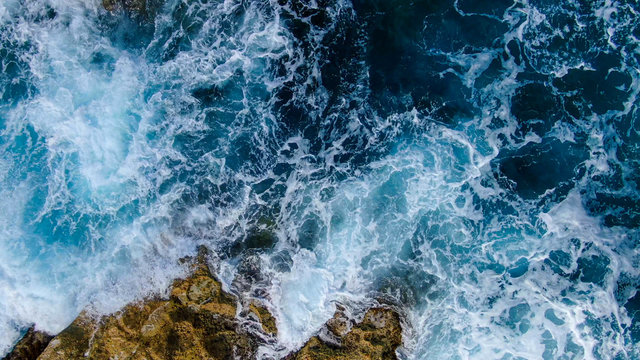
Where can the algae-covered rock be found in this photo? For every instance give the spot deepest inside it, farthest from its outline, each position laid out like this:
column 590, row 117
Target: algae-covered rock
column 201, row 321
column 265, row 318
column 132, row 5
column 30, row 346
column 197, row 322
column 145, row 8
column 376, row 337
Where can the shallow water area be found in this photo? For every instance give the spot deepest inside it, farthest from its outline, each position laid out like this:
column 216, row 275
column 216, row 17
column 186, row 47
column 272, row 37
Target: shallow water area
column 473, row 163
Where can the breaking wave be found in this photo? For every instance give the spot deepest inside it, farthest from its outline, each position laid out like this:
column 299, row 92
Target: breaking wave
column 473, row 163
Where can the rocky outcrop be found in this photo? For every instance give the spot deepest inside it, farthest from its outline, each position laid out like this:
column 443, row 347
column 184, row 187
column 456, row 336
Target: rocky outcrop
column 198, row 322
column 132, row 5
column 146, row 9
column 30, row 346
column 376, row 337
column 201, row 321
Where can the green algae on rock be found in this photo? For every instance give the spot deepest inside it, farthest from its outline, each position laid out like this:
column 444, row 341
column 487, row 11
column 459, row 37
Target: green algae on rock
column 197, row 322
column 376, row 337
column 201, row 321
column 265, row 318
column 147, row 9
column 133, row 5
column 30, row 346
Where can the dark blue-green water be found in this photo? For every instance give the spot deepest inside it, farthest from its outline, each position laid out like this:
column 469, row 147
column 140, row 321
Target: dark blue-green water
column 474, row 163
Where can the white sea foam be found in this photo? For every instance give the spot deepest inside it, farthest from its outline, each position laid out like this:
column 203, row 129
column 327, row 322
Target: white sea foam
column 424, row 224
column 92, row 125
column 480, row 311
column 107, row 144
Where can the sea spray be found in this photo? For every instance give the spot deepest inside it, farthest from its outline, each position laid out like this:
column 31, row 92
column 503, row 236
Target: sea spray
column 476, row 164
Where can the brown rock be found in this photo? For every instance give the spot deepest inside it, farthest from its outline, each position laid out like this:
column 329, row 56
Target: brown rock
column 376, row 337
column 201, row 321
column 197, row 322
column 267, row 321
column 131, row 5
column 144, row 10
column 72, row 342
column 30, row 346
column 340, row 324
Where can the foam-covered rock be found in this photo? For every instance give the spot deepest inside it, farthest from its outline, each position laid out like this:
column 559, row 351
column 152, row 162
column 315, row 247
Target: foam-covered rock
column 198, row 321
column 376, row 337
column 201, row 321
column 30, row 346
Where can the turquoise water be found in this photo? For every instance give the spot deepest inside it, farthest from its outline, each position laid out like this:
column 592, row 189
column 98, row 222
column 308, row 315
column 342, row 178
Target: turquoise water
column 474, row 163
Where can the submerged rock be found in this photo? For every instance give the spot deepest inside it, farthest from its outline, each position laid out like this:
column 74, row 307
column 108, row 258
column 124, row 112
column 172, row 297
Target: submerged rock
column 376, row 337
column 133, row 5
column 144, row 8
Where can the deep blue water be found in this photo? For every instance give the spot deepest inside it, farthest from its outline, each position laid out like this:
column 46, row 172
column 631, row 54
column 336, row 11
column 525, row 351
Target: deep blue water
column 474, row 163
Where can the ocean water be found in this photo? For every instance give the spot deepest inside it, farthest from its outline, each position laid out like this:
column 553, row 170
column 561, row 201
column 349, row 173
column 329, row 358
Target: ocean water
column 476, row 164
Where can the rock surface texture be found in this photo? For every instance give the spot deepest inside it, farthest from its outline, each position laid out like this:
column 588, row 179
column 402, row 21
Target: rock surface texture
column 143, row 10
column 198, row 322
column 131, row 5
column 31, row 346
column 376, row 337
column 201, row 321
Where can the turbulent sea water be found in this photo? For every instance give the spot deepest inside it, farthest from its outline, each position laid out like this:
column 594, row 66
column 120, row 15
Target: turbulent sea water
column 475, row 163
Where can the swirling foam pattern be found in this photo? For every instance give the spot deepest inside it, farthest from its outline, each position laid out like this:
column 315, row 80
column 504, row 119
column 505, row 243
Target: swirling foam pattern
column 474, row 162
